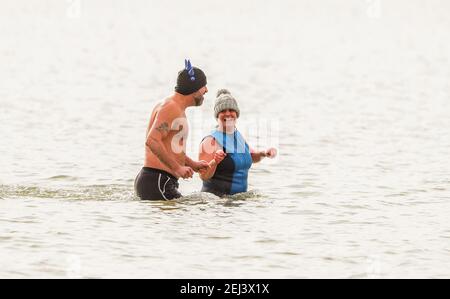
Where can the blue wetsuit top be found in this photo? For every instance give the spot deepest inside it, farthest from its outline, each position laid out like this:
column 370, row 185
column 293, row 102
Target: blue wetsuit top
column 231, row 175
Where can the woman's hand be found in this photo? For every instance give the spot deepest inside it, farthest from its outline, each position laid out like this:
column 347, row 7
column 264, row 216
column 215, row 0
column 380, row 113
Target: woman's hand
column 219, row 156
column 271, row 153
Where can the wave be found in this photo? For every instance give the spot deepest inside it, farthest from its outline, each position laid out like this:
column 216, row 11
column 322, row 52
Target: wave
column 93, row 192
column 113, row 192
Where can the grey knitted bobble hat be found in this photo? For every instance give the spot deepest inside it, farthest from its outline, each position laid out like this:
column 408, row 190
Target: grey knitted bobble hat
column 225, row 101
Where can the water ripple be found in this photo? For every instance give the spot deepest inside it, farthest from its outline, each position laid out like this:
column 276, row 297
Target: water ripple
column 94, row 192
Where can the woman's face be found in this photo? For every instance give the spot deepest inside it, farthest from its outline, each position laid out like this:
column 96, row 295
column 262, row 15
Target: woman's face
column 227, row 119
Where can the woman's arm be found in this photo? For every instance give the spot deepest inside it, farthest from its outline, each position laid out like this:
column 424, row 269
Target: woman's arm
column 258, row 156
column 211, row 153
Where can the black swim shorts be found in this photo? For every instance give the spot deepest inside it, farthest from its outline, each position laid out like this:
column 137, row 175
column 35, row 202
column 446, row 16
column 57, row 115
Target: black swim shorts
column 156, row 184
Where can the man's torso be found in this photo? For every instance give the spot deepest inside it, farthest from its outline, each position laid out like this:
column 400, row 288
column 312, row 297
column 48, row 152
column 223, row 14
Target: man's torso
column 175, row 142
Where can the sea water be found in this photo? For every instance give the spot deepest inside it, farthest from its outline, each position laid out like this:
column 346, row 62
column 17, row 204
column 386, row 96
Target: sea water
column 354, row 94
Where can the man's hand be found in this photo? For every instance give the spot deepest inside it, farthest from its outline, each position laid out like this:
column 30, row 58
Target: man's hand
column 184, row 172
column 200, row 166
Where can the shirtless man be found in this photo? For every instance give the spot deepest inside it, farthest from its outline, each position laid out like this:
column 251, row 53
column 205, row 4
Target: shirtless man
column 165, row 149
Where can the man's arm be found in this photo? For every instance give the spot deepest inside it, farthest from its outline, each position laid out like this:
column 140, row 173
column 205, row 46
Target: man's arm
column 157, row 133
column 189, row 162
column 196, row 166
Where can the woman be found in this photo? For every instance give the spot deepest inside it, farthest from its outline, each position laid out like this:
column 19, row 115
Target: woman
column 229, row 154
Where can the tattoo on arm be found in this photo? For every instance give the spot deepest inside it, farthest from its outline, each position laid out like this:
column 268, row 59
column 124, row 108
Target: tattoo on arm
column 163, row 128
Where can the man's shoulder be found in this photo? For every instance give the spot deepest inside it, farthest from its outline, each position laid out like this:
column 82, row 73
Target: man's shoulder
column 169, row 108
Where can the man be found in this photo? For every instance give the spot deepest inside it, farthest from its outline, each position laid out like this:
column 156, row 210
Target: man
column 165, row 151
